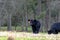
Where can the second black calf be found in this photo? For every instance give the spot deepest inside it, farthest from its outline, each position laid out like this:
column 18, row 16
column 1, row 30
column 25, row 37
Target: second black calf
column 55, row 28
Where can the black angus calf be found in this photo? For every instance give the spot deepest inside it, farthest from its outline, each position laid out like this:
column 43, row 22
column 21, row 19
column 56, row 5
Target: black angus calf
column 35, row 25
column 55, row 28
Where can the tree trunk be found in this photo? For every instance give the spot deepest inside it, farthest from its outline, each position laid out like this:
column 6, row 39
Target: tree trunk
column 26, row 21
column 1, row 9
column 23, row 22
column 38, row 9
column 59, row 17
column 9, row 28
column 47, row 15
column 26, row 14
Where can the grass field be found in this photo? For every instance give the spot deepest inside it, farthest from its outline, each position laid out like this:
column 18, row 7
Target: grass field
column 28, row 36
column 40, row 36
column 18, row 28
column 3, row 38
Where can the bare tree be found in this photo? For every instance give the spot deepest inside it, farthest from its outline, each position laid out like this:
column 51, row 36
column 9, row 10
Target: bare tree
column 47, row 14
column 3, row 3
column 38, row 8
column 26, row 14
column 10, row 9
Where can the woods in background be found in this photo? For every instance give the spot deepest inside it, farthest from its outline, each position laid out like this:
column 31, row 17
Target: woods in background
column 15, row 13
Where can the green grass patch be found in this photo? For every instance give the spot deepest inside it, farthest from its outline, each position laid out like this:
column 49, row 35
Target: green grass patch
column 3, row 38
column 32, row 38
column 18, row 28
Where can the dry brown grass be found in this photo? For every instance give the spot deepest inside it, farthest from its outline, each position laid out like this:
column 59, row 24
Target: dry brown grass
column 10, row 38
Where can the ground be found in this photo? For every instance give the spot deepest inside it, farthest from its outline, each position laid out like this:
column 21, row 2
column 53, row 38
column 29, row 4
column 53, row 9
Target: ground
column 30, row 36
